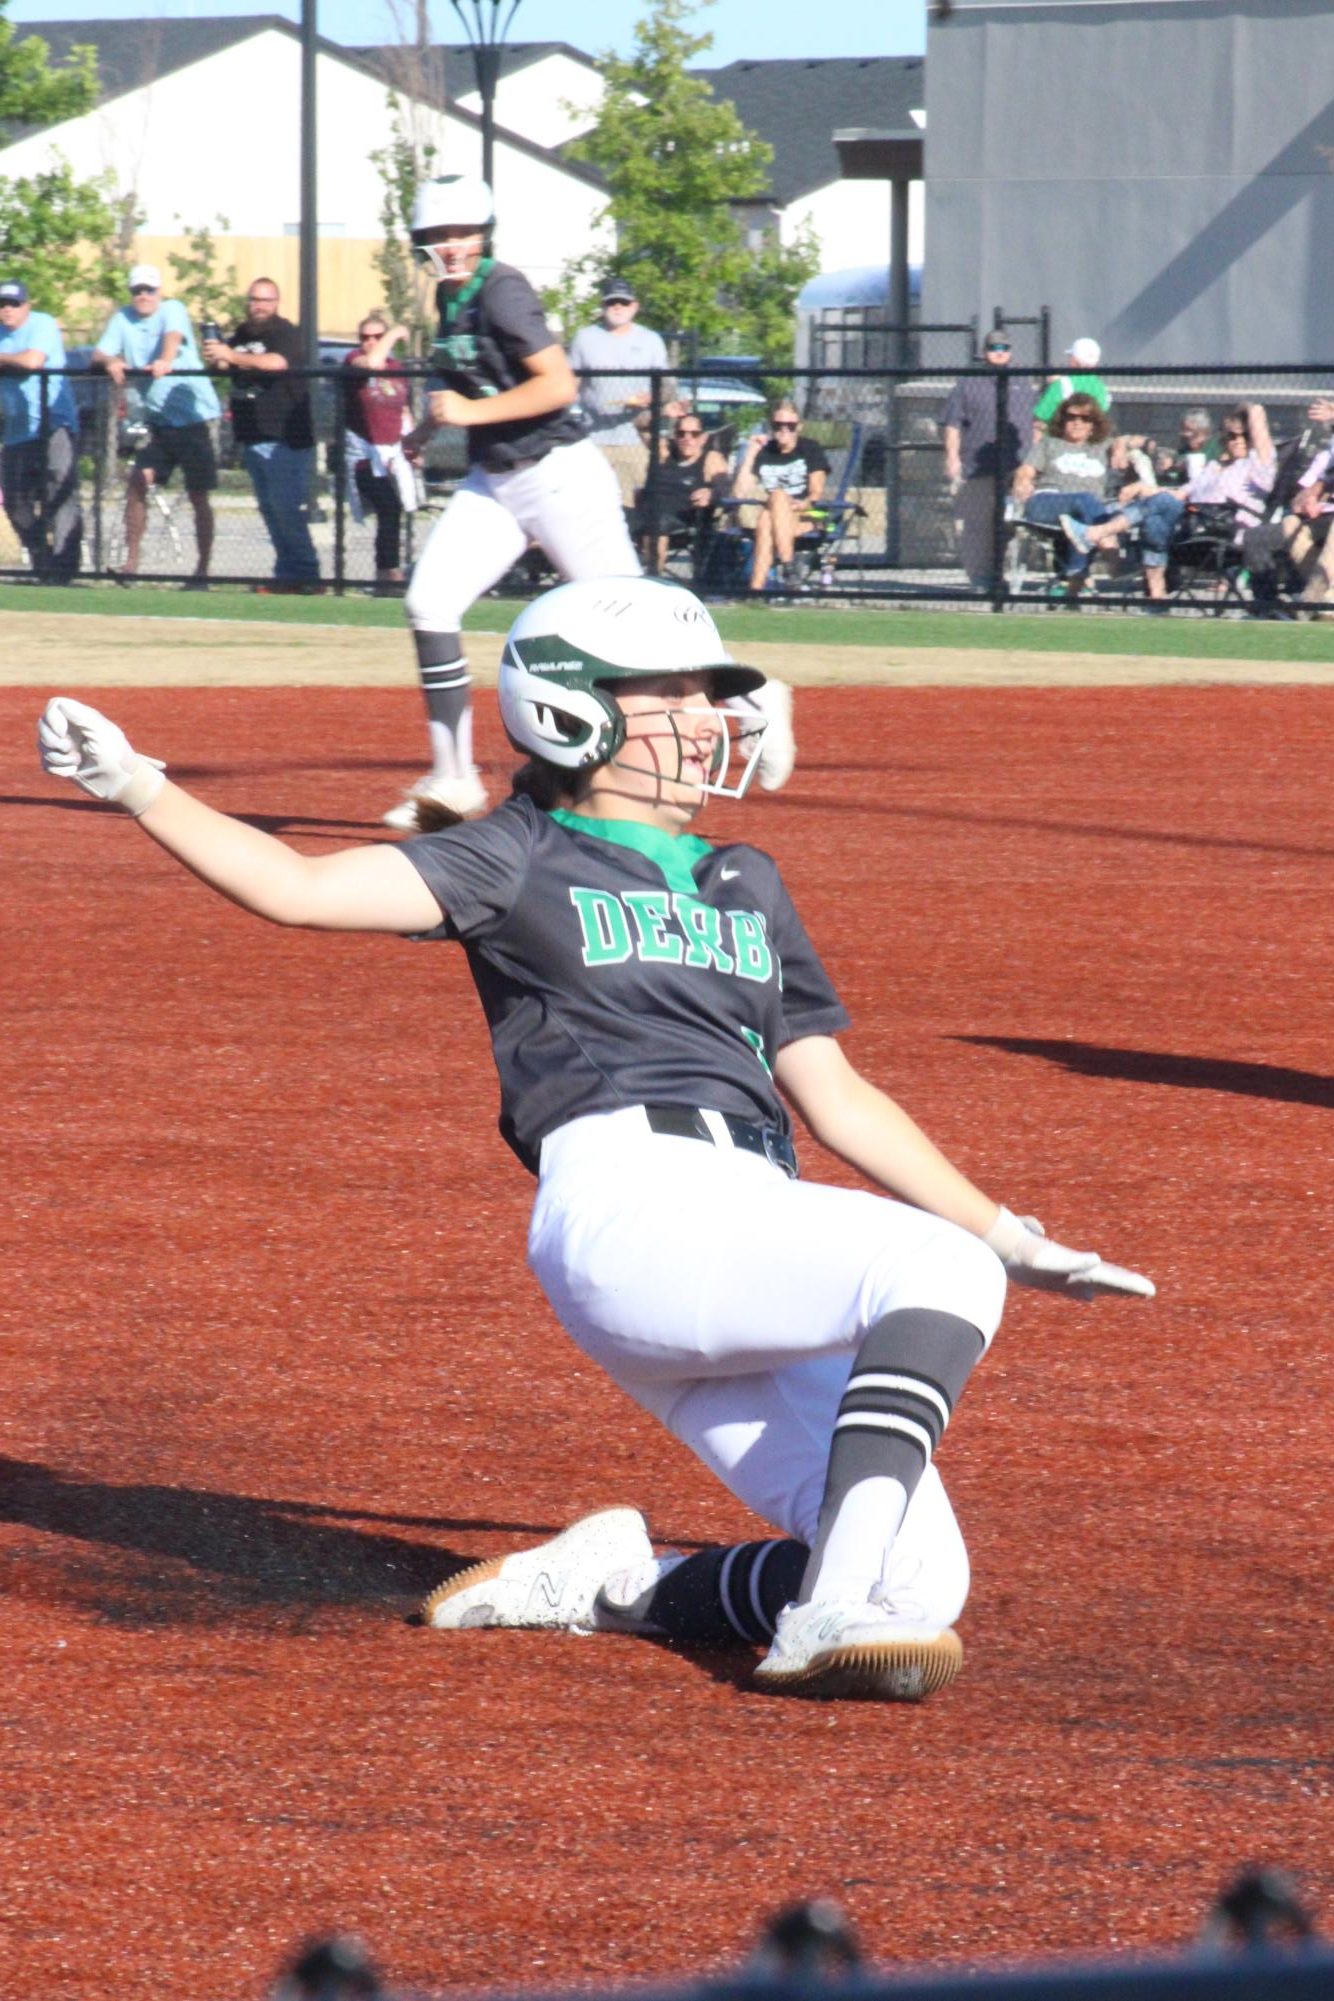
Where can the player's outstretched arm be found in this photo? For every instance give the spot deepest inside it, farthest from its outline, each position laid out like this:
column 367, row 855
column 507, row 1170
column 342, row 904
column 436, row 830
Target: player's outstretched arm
column 872, row 1133
column 371, row 888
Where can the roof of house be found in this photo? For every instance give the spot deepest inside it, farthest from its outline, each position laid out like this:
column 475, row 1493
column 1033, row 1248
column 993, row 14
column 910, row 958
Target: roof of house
column 131, row 54
column 797, row 106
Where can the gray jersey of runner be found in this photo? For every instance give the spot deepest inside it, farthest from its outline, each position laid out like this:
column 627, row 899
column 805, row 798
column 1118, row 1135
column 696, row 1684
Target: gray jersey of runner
column 620, row 965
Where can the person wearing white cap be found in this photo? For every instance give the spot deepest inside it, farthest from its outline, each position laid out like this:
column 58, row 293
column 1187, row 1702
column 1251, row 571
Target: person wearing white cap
column 1084, row 354
column 151, row 339
column 39, row 470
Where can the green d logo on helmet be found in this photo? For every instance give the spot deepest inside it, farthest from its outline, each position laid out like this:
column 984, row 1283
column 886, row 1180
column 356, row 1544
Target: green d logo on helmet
column 567, row 651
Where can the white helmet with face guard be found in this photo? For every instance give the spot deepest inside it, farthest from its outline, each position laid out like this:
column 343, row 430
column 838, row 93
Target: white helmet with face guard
column 568, row 651
column 449, row 201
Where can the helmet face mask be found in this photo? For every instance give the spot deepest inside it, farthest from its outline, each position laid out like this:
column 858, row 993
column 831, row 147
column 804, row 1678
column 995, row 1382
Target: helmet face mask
column 569, row 652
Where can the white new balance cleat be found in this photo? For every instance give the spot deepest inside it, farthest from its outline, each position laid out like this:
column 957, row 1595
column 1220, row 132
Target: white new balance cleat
column 778, row 752
column 867, row 1650
column 455, row 798
column 553, row 1585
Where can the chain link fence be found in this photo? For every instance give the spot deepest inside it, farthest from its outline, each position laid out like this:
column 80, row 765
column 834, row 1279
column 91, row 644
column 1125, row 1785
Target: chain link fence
column 890, row 525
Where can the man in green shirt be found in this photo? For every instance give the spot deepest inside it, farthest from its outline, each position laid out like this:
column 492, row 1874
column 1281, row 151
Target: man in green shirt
column 1085, row 354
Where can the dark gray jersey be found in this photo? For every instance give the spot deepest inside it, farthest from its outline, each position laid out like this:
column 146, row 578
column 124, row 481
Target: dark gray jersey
column 619, row 965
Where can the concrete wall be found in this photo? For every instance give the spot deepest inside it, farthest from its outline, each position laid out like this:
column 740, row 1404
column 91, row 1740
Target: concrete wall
column 1159, row 172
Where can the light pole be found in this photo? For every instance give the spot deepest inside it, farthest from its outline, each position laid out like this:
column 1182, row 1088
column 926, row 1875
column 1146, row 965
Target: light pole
column 486, row 23
column 310, row 200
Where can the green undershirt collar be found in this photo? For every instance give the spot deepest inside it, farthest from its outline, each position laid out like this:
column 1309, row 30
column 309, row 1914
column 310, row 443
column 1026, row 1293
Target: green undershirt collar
column 677, row 855
column 455, row 301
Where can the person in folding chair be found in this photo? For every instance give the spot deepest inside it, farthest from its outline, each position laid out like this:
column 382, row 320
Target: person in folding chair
column 1064, row 477
column 784, row 475
column 679, row 498
column 1239, row 482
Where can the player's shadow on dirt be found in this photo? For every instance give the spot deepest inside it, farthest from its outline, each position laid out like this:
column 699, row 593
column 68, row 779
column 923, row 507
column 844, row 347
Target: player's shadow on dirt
column 160, row 1555
column 1191, row 1073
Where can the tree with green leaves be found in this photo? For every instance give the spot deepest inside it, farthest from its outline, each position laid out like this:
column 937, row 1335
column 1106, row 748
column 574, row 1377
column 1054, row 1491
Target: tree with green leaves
column 402, row 166
column 675, row 159
column 35, row 92
column 58, row 232
column 208, row 290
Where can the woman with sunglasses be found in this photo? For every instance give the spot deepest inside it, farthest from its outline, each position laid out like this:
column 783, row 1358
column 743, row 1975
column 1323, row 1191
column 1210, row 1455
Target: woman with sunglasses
column 785, row 475
column 1238, row 481
column 377, row 413
column 1064, row 476
column 655, row 1005
column 682, row 490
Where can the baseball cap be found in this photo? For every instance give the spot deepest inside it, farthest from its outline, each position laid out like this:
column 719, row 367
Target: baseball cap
column 13, row 293
column 1085, row 353
column 618, row 288
column 146, row 274
column 996, row 341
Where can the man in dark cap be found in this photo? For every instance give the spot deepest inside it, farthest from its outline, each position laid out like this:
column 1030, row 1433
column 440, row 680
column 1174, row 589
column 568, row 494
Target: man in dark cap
column 613, row 402
column 975, row 457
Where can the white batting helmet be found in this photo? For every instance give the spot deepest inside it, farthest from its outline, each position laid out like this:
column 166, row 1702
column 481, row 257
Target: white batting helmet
column 567, row 651
column 457, row 199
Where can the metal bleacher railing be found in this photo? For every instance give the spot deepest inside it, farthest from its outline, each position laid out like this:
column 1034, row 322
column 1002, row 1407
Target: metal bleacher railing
column 880, row 426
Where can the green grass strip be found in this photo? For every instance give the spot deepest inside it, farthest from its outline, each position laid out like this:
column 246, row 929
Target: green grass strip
column 1175, row 637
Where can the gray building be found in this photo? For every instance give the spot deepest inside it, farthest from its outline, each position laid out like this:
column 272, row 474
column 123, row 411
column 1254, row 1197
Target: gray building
column 1159, row 172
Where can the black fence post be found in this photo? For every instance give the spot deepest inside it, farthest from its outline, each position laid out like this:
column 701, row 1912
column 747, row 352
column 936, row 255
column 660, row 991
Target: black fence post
column 42, row 542
column 99, row 430
column 339, row 470
column 652, row 486
column 999, row 587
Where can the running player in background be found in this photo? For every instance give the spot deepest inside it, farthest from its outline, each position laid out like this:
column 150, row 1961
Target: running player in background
column 652, row 1002
column 533, row 477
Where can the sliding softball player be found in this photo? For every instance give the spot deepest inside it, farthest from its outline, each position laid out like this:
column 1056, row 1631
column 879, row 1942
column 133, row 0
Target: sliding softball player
column 655, row 1004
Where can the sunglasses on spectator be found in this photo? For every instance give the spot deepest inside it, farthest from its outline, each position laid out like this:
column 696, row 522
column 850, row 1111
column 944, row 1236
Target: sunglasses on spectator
column 1079, row 416
column 690, row 430
column 786, row 424
column 135, row 290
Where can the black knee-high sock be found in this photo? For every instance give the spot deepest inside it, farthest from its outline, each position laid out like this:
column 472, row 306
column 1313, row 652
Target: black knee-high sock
column 909, row 1374
column 447, row 691
column 721, row 1596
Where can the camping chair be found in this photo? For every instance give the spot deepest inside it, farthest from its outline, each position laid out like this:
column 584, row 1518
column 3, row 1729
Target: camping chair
column 1206, row 563
column 816, row 548
column 816, row 552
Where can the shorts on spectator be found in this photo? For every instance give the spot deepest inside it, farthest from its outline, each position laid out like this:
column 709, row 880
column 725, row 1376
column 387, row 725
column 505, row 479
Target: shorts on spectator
column 189, row 446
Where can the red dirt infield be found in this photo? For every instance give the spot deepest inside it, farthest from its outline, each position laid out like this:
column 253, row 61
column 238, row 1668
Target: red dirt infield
column 274, row 1366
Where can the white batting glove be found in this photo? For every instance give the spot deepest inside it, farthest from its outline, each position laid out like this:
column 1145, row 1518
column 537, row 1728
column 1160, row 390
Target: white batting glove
column 80, row 743
column 1031, row 1258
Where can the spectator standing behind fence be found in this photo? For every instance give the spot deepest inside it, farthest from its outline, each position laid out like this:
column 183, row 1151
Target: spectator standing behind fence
column 154, row 334
column 271, row 422
column 1064, row 475
column 377, row 413
column 613, row 402
column 1308, row 526
column 39, row 464
column 975, row 457
column 1239, row 482
column 1085, row 355
column 785, row 475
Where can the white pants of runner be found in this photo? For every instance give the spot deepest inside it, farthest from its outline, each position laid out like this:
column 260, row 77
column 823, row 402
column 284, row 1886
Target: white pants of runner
column 569, row 503
column 729, row 1301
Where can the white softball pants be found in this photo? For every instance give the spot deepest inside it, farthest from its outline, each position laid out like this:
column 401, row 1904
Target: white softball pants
column 729, row 1301
column 569, row 503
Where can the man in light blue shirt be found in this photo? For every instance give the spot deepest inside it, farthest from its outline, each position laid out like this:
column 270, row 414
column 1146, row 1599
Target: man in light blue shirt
column 39, row 464
column 153, row 336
